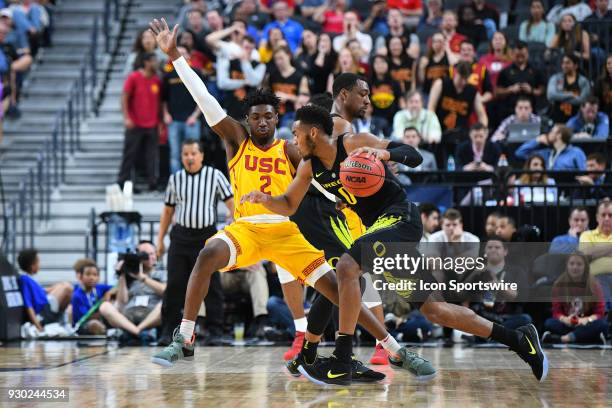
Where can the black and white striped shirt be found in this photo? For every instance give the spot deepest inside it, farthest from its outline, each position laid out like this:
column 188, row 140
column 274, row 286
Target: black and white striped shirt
column 196, row 195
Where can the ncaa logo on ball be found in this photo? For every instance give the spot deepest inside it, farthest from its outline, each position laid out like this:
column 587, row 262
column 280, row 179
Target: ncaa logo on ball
column 354, row 179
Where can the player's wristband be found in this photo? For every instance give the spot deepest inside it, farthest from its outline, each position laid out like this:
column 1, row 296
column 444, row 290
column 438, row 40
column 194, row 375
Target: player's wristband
column 403, row 153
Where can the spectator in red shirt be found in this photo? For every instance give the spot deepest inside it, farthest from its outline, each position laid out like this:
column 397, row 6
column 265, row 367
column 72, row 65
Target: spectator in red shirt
column 407, row 7
column 140, row 103
column 497, row 58
column 577, row 305
column 331, row 17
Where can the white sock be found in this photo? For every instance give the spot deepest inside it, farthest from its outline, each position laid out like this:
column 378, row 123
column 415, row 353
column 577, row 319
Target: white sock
column 186, row 329
column 390, row 345
column 300, row 324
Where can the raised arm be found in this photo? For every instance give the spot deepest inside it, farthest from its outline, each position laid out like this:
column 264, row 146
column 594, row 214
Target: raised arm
column 434, row 95
column 231, row 131
column 288, row 203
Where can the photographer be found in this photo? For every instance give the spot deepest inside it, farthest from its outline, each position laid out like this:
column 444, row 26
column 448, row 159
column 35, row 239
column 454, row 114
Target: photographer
column 141, row 287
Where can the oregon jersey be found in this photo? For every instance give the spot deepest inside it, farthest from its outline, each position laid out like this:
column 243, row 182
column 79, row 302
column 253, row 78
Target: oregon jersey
column 269, row 171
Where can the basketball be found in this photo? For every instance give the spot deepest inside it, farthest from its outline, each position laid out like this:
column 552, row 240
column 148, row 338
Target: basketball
column 362, row 174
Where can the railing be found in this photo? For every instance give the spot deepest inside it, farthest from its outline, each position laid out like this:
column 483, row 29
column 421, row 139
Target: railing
column 477, row 194
column 32, row 206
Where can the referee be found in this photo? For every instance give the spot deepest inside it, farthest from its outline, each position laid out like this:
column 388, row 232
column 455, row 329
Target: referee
column 191, row 197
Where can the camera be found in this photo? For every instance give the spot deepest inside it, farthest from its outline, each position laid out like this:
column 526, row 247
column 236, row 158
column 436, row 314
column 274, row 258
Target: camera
column 131, row 263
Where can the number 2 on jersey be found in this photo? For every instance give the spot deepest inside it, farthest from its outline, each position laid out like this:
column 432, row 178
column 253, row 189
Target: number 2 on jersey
column 350, row 199
column 267, row 180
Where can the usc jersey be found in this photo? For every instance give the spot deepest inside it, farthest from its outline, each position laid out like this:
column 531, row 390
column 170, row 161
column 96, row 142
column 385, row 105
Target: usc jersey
column 269, row 171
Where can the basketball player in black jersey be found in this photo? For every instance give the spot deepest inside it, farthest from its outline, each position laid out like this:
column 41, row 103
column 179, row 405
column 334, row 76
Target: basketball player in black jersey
column 390, row 217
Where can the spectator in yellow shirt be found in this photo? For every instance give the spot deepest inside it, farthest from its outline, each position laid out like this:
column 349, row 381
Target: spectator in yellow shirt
column 597, row 244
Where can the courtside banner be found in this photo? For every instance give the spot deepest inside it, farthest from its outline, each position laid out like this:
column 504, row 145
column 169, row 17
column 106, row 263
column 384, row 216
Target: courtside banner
column 490, row 272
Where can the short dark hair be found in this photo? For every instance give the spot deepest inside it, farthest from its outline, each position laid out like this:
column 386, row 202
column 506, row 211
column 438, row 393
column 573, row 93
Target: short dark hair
column 261, row 96
column 26, row 259
column 249, row 38
column 146, row 241
column 323, row 100
column 428, row 209
column 599, row 157
column 195, row 10
column 467, row 42
column 191, row 141
column 346, row 80
column 519, row 45
column 591, row 100
column 523, row 99
column 316, row 116
column 497, row 238
column 412, row 128
column 579, row 209
column 574, row 58
column 453, row 215
column 477, row 126
column 464, row 69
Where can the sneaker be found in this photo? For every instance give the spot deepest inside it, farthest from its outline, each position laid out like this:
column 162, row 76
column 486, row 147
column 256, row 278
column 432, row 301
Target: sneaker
column 295, row 347
column 328, row 371
column 530, row 351
column 380, row 356
column 549, row 338
column 361, row 373
column 417, row 365
column 177, row 350
column 293, row 365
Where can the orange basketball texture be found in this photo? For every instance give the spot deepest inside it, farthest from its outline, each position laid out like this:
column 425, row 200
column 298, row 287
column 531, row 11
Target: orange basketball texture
column 362, row 174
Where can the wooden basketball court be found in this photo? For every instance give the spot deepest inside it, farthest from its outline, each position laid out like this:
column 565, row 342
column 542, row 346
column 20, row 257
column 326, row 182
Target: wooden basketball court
column 107, row 376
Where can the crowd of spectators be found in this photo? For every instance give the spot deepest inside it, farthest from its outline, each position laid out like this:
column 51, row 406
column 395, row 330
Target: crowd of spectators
column 25, row 26
column 441, row 70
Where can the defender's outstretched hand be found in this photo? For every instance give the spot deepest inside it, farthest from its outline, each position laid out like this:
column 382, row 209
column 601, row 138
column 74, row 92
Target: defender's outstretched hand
column 255, row 197
column 166, row 39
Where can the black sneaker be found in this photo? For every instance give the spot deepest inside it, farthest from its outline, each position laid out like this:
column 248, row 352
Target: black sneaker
column 361, row 373
column 292, row 366
column 329, row 371
column 530, row 350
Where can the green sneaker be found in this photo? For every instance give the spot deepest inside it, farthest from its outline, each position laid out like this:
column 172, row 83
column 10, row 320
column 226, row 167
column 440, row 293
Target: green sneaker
column 417, row 365
column 177, row 350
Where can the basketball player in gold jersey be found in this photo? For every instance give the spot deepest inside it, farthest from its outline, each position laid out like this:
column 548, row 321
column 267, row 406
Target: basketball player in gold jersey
column 257, row 162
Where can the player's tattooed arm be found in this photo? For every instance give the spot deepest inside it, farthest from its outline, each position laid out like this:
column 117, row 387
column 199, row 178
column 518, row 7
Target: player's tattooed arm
column 382, row 149
column 230, row 130
column 285, row 204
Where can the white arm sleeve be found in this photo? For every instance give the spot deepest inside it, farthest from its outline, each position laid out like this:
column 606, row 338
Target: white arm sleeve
column 213, row 112
column 323, row 191
column 253, row 76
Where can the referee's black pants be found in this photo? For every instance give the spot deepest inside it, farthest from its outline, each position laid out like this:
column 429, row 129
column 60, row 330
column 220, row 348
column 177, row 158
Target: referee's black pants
column 185, row 245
